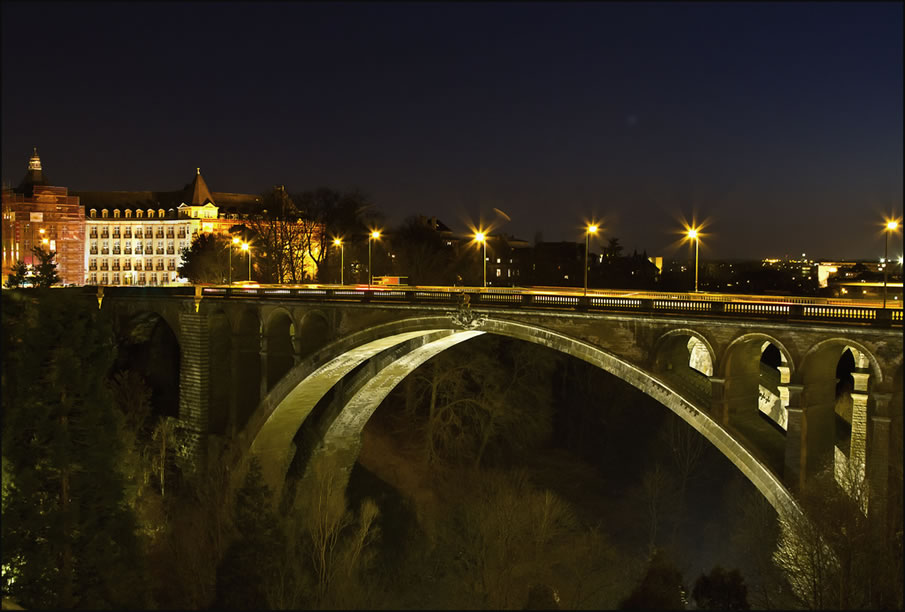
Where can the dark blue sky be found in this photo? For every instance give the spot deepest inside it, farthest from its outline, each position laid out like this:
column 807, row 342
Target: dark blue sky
column 780, row 122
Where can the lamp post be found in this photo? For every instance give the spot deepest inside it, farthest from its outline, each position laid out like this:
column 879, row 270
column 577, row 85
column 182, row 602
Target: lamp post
column 592, row 229
column 374, row 235
column 339, row 243
column 247, row 249
column 231, row 246
column 482, row 238
column 891, row 226
column 693, row 235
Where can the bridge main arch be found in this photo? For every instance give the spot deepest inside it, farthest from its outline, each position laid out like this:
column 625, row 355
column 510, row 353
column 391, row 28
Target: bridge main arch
column 270, row 432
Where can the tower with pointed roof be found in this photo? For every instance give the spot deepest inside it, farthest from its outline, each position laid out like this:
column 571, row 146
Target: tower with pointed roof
column 37, row 214
column 34, row 175
column 199, row 194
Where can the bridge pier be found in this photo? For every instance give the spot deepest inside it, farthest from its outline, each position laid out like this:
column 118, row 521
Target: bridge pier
column 878, row 459
column 858, row 445
column 232, row 419
column 263, row 354
column 793, row 475
column 718, row 399
column 194, row 380
column 296, row 350
column 818, row 426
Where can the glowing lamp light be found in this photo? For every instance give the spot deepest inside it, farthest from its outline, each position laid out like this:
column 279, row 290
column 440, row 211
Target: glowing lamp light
column 244, row 246
column 337, row 242
column 375, row 234
column 592, row 229
column 693, row 234
column 480, row 237
column 892, row 225
column 235, row 240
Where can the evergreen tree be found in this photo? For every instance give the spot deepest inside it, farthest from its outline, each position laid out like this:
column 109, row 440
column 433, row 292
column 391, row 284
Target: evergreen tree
column 46, row 271
column 251, row 560
column 208, row 260
column 721, row 590
column 68, row 540
column 660, row 589
column 17, row 276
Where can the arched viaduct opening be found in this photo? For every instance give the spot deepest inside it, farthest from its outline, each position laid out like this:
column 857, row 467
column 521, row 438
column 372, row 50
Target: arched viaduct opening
column 838, row 376
column 148, row 347
column 757, row 370
column 246, row 388
column 407, row 344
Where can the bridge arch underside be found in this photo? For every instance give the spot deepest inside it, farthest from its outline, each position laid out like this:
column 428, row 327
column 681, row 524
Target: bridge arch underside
column 377, row 359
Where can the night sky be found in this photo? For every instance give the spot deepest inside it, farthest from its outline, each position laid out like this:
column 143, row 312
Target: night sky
column 780, row 123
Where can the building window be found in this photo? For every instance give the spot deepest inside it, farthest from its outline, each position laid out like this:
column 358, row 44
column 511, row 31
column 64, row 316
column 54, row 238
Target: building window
column 93, row 213
column 128, row 214
column 150, row 214
column 160, row 213
column 138, row 214
column 104, row 213
column 116, row 213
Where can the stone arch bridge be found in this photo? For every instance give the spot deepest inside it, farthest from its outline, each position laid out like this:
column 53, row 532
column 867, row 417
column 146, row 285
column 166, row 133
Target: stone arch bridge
column 280, row 370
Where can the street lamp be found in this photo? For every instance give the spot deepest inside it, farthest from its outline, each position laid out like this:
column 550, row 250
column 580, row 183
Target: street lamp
column 482, row 238
column 891, row 226
column 247, row 249
column 232, row 245
column 339, row 243
column 374, row 235
column 592, row 229
column 693, row 235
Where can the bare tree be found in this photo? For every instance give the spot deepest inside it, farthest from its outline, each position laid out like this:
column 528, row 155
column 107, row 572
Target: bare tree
column 831, row 554
column 687, row 447
column 655, row 483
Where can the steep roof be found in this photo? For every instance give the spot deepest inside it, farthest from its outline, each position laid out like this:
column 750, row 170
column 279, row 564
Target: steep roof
column 199, row 194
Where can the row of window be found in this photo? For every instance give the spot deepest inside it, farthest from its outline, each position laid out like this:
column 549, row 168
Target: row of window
column 132, row 278
column 126, row 248
column 126, row 264
column 161, row 213
column 139, row 233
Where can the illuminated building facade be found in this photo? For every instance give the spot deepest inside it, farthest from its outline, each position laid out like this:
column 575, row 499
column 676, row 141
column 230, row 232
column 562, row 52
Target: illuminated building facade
column 36, row 214
column 137, row 237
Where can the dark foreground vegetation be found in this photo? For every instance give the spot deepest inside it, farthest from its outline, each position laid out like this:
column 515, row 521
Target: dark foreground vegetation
column 498, row 475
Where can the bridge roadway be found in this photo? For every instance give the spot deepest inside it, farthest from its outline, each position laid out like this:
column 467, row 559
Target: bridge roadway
column 292, row 373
